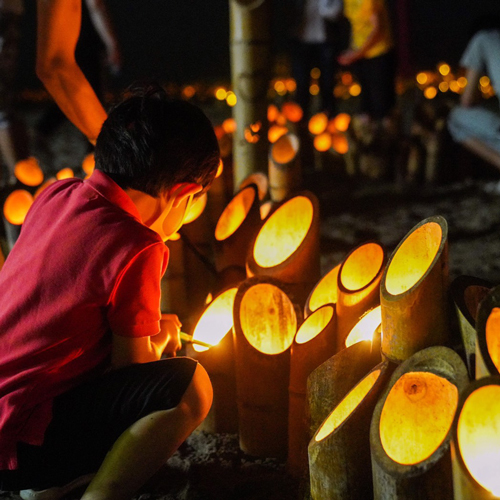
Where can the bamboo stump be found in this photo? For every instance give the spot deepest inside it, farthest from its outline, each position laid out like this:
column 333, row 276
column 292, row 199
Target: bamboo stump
column 411, row 427
column 476, row 441
column 284, row 171
column 414, row 292
column 314, row 343
column 339, row 452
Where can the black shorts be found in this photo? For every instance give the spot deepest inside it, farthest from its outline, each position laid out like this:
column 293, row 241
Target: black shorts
column 87, row 421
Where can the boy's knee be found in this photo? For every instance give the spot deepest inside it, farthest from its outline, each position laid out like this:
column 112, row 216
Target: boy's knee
column 197, row 399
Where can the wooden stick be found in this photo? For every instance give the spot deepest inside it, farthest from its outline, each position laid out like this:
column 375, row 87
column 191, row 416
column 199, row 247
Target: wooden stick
column 189, row 339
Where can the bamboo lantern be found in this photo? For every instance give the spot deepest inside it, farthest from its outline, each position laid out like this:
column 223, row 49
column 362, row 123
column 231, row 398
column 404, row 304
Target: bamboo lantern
column 358, row 285
column 476, row 441
column 467, row 292
column 292, row 111
column 250, row 35
column 265, row 323
column 236, row 229
column 414, row 291
column 16, row 206
column 411, row 427
column 275, row 132
column 488, row 335
column 215, row 327
column 260, row 180
column 328, row 384
column 287, row 246
column 88, row 164
column 324, row 292
column 314, row 343
column 284, row 169
column 339, row 452
column 367, row 328
column 28, row 172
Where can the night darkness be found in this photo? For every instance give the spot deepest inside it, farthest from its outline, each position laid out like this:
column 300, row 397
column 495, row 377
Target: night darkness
column 188, row 41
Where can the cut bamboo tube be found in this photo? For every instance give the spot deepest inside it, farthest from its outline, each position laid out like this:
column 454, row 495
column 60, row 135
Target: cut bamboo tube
column 339, row 452
column 314, row 343
column 215, row 327
column 367, row 328
column 284, row 169
column 328, row 384
column 260, row 180
column 358, row 286
column 287, row 246
column 265, row 323
column 250, row 53
column 488, row 335
column 411, row 427
column 324, row 292
column 414, row 292
column 236, row 229
column 476, row 441
column 467, row 292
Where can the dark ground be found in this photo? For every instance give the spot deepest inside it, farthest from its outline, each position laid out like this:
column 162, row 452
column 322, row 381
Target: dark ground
column 212, row 467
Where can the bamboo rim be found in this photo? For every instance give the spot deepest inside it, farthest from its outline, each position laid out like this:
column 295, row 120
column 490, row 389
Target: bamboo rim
column 326, row 287
column 486, row 313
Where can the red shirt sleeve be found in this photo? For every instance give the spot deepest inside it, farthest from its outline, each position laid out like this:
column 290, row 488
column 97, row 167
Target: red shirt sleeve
column 134, row 308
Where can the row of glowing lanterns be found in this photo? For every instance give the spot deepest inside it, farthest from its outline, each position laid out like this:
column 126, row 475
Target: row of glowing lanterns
column 423, row 426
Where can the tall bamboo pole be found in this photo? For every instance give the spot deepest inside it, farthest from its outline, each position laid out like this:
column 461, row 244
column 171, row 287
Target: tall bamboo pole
column 250, row 35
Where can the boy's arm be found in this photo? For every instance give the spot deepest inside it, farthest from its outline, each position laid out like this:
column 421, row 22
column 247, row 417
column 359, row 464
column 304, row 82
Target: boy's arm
column 58, row 29
column 470, row 95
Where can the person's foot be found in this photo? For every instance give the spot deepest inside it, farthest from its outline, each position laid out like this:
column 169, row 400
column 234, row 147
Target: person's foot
column 57, row 492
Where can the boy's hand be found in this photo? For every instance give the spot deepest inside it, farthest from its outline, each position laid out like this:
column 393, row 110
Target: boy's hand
column 170, row 329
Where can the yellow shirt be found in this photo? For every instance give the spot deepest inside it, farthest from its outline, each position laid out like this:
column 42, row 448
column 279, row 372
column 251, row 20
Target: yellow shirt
column 359, row 14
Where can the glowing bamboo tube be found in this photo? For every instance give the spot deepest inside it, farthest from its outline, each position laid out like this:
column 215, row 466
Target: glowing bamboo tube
column 314, row 343
column 250, row 44
column 28, row 172
column 476, row 441
column 265, row 323
column 215, row 327
column 339, row 452
column 467, row 292
column 287, row 246
column 260, row 180
column 292, row 111
column 367, row 328
column 414, row 291
column 284, row 167
column 488, row 335
column 328, row 384
column 236, row 229
column 359, row 286
column 411, row 427
column 324, row 292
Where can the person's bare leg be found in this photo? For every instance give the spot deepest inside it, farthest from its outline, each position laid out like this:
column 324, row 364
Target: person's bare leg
column 486, row 152
column 146, row 445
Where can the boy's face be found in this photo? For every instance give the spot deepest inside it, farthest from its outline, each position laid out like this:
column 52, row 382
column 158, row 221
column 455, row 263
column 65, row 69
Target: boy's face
column 171, row 217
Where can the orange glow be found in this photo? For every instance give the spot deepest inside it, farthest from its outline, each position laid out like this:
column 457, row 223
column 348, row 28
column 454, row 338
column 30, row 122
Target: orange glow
column 275, row 132
column 216, row 321
column 361, row 266
column 314, row 324
column 250, row 136
column 344, row 409
column 231, row 99
column 413, row 258
column 220, row 169
column 315, row 73
column 219, row 132
column 484, row 81
column 417, row 416
column 196, row 209
column 346, row 78
column 272, row 113
column 292, row 111
column 291, row 85
column 478, row 436
column 174, row 237
column 492, row 336
column 355, row 89
column 46, row 184
column 16, row 206
column 366, row 327
column 318, row 123
column 280, row 87
column 265, row 208
column 28, row 172
column 88, row 164
column 444, row 69
column 220, row 94
column 314, row 89
column 462, row 82
column 422, row 78
column 340, row 144
column 342, row 122
column 326, row 291
column 188, row 91
column 444, row 86
column 323, row 142
column 430, row 92
column 285, row 149
column 234, row 214
column 65, row 173
column 268, row 319
column 283, row 232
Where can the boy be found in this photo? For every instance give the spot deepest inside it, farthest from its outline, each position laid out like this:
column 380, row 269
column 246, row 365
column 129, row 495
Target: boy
column 82, row 386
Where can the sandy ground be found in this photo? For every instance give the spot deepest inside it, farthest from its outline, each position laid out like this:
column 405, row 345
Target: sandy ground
column 212, row 467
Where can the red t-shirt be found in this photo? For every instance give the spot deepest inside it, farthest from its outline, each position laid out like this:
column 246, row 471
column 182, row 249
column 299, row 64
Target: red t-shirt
column 83, row 266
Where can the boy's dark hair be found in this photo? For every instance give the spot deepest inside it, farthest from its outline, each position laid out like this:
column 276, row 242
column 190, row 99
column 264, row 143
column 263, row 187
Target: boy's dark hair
column 150, row 143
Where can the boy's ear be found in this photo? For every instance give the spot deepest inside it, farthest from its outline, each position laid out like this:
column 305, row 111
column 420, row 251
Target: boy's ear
column 182, row 190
